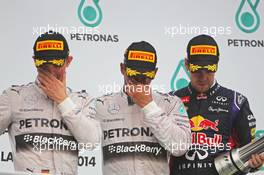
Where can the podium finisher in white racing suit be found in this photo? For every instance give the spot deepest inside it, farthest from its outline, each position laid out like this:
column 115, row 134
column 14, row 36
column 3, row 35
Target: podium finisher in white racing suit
column 141, row 127
column 45, row 120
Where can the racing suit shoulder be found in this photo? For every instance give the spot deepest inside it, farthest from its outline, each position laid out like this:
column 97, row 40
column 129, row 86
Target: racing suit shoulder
column 5, row 110
column 181, row 92
column 166, row 101
column 239, row 99
column 17, row 92
column 107, row 102
column 18, row 89
column 84, row 101
column 244, row 125
column 159, row 97
column 80, row 96
column 106, row 99
column 8, row 100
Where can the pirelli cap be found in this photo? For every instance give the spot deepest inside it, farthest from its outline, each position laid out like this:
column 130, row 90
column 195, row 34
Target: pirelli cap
column 203, row 53
column 141, row 59
column 50, row 48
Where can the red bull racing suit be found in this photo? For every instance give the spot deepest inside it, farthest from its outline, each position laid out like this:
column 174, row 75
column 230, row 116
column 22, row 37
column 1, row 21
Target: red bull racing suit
column 136, row 141
column 43, row 134
column 220, row 120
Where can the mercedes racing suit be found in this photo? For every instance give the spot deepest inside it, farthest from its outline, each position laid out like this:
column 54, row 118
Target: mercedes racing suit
column 43, row 134
column 220, row 120
column 135, row 141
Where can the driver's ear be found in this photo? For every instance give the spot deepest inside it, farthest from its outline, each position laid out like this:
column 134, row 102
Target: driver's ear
column 122, row 68
column 69, row 60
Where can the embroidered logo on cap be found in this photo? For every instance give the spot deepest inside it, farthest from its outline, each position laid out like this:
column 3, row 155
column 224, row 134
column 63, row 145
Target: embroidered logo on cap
column 194, row 67
column 203, row 50
column 56, row 62
column 141, row 56
column 131, row 72
column 49, row 45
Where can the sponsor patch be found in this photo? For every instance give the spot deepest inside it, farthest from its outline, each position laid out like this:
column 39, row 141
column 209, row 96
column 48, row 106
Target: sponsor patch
column 49, row 45
column 185, row 99
column 203, row 50
column 141, row 56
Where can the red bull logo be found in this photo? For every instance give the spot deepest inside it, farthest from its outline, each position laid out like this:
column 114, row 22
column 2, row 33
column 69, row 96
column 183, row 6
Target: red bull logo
column 199, row 123
column 202, row 138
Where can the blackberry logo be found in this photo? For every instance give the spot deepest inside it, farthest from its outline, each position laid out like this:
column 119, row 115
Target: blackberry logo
column 135, row 148
column 28, row 138
column 111, row 149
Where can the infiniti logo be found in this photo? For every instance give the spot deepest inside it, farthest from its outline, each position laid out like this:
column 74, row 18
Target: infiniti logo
column 221, row 98
column 201, row 153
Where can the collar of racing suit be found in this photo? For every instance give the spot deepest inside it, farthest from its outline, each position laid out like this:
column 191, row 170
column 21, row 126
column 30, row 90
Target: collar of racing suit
column 205, row 95
column 39, row 89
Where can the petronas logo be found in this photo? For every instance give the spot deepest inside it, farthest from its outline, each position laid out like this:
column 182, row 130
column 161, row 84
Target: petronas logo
column 180, row 77
column 90, row 14
column 247, row 17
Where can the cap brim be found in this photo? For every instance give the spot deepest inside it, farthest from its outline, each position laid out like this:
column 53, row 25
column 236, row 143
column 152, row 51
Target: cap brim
column 206, row 65
column 203, row 58
column 50, row 57
column 57, row 62
column 141, row 69
column 202, row 63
